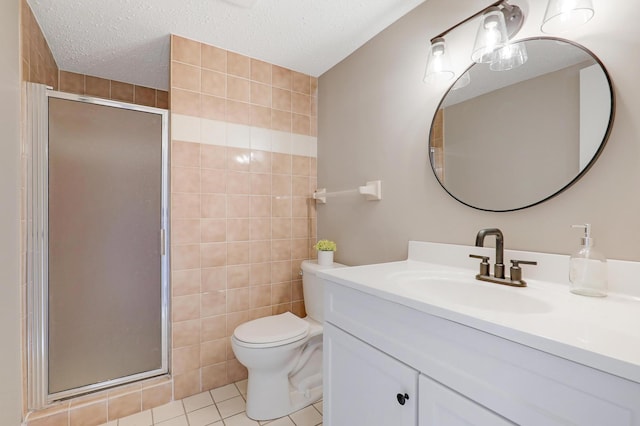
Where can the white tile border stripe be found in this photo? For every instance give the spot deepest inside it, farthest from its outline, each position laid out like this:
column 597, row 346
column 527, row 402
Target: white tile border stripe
column 238, row 136
column 213, row 132
column 303, row 145
column 261, row 139
column 281, row 142
column 185, row 128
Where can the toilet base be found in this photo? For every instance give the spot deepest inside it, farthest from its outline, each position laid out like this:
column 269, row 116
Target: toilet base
column 279, row 399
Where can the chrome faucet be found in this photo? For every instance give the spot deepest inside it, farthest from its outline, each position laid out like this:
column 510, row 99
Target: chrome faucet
column 498, row 269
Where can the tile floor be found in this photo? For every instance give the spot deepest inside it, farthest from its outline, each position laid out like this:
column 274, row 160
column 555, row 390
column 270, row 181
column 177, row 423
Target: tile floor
column 223, row 406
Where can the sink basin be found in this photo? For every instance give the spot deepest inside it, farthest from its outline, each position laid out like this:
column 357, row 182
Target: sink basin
column 457, row 288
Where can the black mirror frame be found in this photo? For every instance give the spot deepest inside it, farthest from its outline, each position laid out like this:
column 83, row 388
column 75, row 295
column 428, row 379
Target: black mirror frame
column 579, row 175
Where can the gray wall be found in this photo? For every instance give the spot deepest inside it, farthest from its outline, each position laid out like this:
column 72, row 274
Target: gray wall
column 472, row 137
column 374, row 118
column 10, row 368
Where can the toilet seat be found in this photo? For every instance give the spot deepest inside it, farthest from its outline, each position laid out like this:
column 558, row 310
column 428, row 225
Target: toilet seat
column 275, row 330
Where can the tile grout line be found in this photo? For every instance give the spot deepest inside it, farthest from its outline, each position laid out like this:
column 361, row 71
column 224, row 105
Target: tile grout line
column 223, row 421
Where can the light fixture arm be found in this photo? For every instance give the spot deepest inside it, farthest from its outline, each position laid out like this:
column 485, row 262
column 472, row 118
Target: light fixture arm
column 513, row 16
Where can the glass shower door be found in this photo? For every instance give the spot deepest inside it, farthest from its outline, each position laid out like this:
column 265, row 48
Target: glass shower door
column 107, row 266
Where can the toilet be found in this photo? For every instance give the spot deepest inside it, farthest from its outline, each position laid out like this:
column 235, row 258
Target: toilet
column 283, row 353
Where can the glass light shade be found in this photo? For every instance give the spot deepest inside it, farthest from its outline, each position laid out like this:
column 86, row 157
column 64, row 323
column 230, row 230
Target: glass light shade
column 563, row 15
column 511, row 56
column 438, row 64
column 462, row 81
column 492, row 35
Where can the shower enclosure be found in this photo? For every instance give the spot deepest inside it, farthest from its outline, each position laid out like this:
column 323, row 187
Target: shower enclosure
column 97, row 259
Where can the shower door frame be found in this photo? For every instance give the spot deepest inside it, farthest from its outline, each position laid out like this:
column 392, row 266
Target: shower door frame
column 37, row 232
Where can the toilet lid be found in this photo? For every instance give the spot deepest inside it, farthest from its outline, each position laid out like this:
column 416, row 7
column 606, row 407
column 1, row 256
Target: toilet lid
column 272, row 329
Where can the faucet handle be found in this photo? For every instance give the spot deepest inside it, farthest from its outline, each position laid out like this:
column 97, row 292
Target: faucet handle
column 484, row 264
column 516, row 263
column 516, row 271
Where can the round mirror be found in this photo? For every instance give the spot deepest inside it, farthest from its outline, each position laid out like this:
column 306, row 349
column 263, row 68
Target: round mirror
column 507, row 140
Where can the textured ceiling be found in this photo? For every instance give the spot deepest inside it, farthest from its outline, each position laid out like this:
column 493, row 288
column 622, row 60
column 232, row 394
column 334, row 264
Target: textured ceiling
column 128, row 40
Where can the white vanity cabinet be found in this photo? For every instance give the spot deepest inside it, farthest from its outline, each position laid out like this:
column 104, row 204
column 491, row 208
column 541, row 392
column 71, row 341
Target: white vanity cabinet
column 368, row 387
column 376, row 348
column 439, row 405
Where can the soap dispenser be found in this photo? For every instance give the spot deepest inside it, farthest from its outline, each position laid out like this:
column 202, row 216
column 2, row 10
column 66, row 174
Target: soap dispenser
column 588, row 267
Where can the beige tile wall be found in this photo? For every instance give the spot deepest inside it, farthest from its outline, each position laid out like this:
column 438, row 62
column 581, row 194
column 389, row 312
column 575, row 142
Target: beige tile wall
column 81, row 84
column 98, row 408
column 39, row 66
column 213, row 83
column 242, row 221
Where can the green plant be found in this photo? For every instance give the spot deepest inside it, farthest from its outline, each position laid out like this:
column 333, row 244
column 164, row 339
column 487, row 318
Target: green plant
column 325, row 245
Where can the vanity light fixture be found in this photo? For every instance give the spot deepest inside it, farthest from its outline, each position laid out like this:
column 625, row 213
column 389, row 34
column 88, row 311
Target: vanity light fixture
column 438, row 63
column 563, row 15
column 508, row 57
column 500, row 22
column 491, row 36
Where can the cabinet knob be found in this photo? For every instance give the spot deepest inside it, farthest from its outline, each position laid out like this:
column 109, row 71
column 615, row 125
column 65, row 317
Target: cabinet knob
column 402, row 399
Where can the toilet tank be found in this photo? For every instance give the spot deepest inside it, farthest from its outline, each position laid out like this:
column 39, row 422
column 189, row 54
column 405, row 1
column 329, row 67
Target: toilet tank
column 313, row 288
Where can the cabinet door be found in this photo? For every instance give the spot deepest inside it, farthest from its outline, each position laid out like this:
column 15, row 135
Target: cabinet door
column 440, row 405
column 363, row 386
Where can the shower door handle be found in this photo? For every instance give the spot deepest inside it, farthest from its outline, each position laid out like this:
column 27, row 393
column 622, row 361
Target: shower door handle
column 162, row 242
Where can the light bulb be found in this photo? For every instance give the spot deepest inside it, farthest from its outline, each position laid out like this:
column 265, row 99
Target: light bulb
column 438, row 65
column 491, row 35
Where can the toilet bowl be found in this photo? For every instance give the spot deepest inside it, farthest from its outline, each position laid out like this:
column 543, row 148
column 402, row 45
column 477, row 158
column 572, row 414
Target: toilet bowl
column 283, row 354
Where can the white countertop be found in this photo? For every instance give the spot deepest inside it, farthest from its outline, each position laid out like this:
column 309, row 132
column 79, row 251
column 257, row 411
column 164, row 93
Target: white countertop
column 603, row 333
